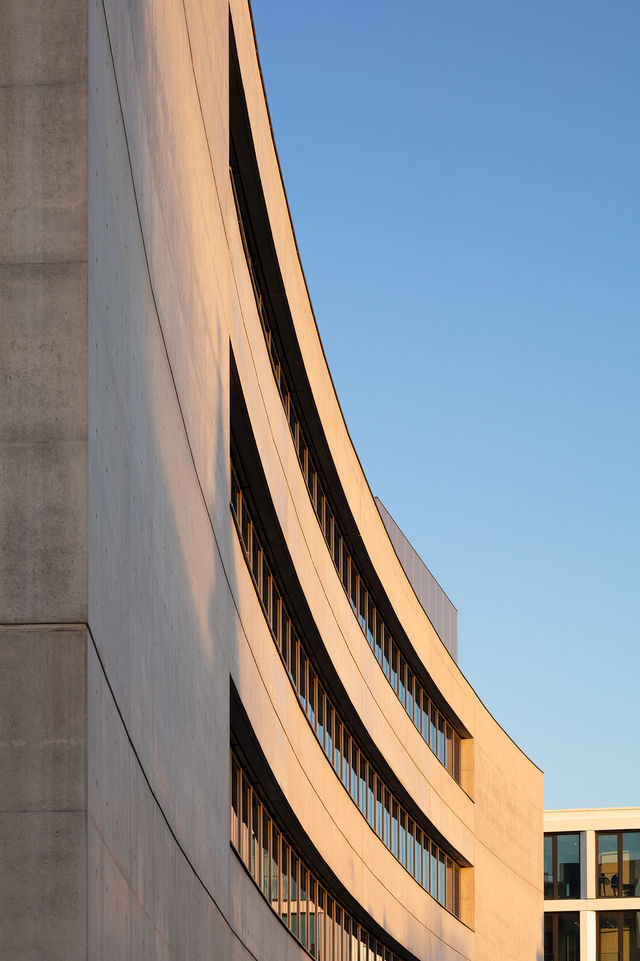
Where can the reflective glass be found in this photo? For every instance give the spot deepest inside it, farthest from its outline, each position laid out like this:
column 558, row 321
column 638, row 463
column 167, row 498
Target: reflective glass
column 363, row 786
column 354, row 772
column 568, row 948
column 549, row 954
column 631, row 936
column 293, row 895
column 266, row 885
column 608, row 937
column 371, row 817
column 385, row 654
column 379, row 634
column 631, row 864
column 568, row 865
column 441, row 878
column 548, row 866
column 433, row 729
column 441, row 756
column 320, row 714
column 608, row 865
column 311, row 696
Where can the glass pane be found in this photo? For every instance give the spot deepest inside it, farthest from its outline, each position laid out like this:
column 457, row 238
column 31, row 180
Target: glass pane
column 441, row 879
column 433, row 729
column 266, row 885
column 441, row 757
column 320, row 715
column 608, row 937
column 549, row 954
column 302, row 677
column 379, row 790
column 425, row 862
column 379, row 633
column 311, row 697
column 345, row 758
column 631, row 936
column 354, row 772
column 385, row 654
column 337, row 746
column 302, row 906
column 284, row 883
column 403, row 838
column 362, row 611
column 548, row 867
column 434, row 871
column 425, row 717
column 568, row 865
column 394, row 829
column 275, row 850
column 387, row 819
column 394, row 667
column 371, row 801
column 608, row 865
column 568, row 936
column 631, row 864
column 363, row 786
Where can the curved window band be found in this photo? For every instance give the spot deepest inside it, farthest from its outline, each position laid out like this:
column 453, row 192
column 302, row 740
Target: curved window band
column 435, row 729
column 307, row 909
column 425, row 861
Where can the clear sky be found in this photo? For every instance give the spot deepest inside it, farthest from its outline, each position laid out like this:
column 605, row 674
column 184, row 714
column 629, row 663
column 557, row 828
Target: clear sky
column 464, row 181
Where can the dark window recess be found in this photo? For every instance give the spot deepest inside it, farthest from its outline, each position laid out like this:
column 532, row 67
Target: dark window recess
column 562, row 936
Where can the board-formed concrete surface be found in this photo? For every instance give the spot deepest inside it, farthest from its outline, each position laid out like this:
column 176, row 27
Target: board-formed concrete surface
column 126, row 605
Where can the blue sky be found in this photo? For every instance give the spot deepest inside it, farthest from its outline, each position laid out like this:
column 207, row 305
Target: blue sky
column 464, row 184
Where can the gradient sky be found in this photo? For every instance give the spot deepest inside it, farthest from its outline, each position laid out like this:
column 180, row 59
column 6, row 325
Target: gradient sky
column 464, row 185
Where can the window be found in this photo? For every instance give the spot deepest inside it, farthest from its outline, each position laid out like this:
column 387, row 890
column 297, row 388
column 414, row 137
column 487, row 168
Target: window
column 562, row 865
column 618, row 936
column 386, row 818
column 618, row 864
column 562, row 936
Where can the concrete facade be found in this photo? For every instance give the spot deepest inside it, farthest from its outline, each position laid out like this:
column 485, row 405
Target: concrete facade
column 127, row 610
column 591, row 901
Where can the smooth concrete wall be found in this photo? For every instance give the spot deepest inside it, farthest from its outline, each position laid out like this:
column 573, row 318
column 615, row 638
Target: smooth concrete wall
column 43, row 478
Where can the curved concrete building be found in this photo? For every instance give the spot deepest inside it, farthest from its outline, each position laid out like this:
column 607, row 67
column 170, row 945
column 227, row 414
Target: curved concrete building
column 232, row 717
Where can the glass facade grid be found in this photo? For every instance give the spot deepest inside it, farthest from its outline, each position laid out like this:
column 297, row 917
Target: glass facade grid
column 358, row 776
column 357, row 593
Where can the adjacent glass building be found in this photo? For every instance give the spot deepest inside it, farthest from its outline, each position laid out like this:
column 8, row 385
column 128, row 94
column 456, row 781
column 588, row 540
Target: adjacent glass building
column 592, row 885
